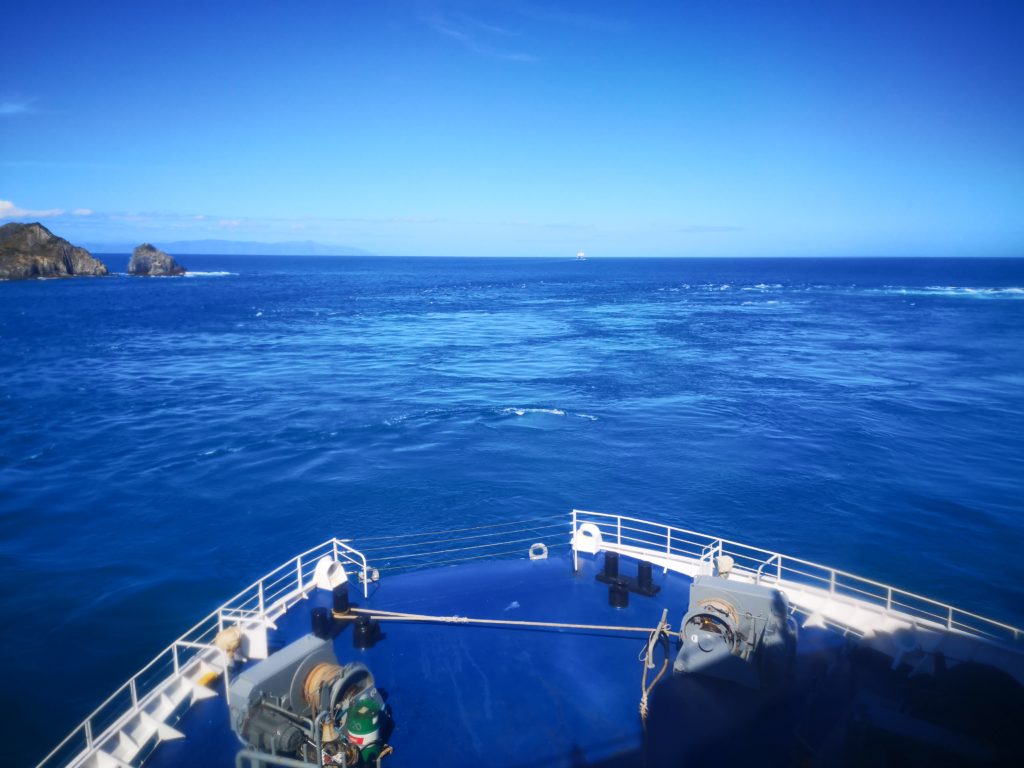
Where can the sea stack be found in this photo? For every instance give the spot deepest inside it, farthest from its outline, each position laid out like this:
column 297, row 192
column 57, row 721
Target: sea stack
column 31, row 250
column 151, row 261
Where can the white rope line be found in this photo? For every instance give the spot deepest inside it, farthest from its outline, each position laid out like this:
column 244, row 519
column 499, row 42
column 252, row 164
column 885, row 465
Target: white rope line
column 648, row 662
column 401, row 616
column 460, row 530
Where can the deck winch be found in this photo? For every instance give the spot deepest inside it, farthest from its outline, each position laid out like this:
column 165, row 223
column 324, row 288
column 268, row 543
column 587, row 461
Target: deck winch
column 737, row 631
column 300, row 702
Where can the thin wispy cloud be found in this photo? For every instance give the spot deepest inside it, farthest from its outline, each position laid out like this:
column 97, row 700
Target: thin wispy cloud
column 13, row 107
column 208, row 222
column 703, row 229
column 478, row 37
column 579, row 19
column 56, row 164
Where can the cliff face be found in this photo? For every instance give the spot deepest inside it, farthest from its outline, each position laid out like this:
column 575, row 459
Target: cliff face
column 149, row 260
column 31, row 250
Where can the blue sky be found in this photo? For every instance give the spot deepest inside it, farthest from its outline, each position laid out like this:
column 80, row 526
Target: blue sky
column 521, row 128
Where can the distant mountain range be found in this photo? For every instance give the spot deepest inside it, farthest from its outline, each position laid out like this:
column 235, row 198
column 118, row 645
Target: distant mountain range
column 237, row 248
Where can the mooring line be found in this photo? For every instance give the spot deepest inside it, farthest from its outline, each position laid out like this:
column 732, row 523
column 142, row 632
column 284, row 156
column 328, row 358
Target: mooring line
column 352, row 613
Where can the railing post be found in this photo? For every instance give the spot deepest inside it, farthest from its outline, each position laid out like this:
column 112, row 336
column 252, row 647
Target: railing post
column 618, row 530
column 668, row 548
column 334, row 544
column 135, row 694
column 88, row 733
column 949, row 618
column 572, row 543
column 831, row 581
column 263, row 608
column 778, row 569
column 888, row 599
column 298, row 571
column 174, row 656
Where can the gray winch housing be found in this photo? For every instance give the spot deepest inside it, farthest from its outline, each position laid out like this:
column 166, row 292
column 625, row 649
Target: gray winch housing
column 738, row 632
column 269, row 710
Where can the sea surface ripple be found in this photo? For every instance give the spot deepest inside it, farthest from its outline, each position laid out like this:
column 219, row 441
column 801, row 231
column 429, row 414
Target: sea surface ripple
column 165, row 442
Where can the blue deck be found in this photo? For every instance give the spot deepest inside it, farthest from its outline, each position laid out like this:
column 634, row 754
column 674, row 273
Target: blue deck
column 495, row 696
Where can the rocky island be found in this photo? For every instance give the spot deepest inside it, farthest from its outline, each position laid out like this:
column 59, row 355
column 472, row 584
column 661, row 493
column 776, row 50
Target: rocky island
column 148, row 260
column 31, row 250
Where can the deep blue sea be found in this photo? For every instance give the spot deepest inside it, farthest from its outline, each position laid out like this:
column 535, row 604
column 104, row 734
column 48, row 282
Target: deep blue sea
column 167, row 441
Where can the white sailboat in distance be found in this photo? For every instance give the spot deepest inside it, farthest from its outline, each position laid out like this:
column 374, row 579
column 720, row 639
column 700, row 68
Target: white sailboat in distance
column 580, row 256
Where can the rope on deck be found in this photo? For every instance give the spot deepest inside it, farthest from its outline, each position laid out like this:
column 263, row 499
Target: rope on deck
column 662, row 633
column 401, row 616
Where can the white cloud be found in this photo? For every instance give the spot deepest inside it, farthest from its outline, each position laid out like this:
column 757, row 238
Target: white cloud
column 9, row 210
column 82, row 212
column 229, row 223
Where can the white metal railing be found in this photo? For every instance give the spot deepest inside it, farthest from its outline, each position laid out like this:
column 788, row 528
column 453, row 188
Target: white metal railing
column 273, row 594
column 490, row 541
column 264, row 599
column 670, row 544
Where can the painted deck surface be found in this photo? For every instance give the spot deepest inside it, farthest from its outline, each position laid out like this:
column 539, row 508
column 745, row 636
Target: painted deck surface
column 463, row 695
column 471, row 695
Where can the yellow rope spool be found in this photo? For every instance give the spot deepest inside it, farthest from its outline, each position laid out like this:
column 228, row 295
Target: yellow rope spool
column 318, row 676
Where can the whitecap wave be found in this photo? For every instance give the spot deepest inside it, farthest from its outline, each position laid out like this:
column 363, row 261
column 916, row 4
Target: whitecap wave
column 548, row 411
column 1005, row 292
column 210, row 274
column 524, row 411
column 972, row 291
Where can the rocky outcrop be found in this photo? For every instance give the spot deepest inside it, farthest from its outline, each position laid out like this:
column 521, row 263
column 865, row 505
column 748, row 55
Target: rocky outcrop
column 31, row 250
column 150, row 260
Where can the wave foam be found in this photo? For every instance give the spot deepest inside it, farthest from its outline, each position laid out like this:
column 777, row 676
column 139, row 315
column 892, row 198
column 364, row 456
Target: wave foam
column 549, row 411
column 524, row 411
column 210, row 274
column 958, row 290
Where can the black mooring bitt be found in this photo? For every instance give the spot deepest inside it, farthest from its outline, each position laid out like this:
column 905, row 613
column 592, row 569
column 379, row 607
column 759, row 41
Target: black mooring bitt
column 643, row 584
column 618, row 595
column 365, row 633
column 339, row 597
column 321, row 623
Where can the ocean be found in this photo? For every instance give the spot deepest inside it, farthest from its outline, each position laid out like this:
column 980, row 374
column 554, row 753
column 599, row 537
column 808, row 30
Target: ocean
column 167, row 441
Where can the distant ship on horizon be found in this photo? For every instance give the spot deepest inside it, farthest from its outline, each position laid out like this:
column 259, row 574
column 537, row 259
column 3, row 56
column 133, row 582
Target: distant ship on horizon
column 580, row 256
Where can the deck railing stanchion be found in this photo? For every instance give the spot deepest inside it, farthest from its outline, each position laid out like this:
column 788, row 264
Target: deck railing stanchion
column 259, row 591
column 888, row 599
column 334, row 548
column 135, row 693
column 668, row 548
column 949, row 618
column 88, row 733
column 618, row 531
column 572, row 543
column 298, row 571
column 174, row 656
